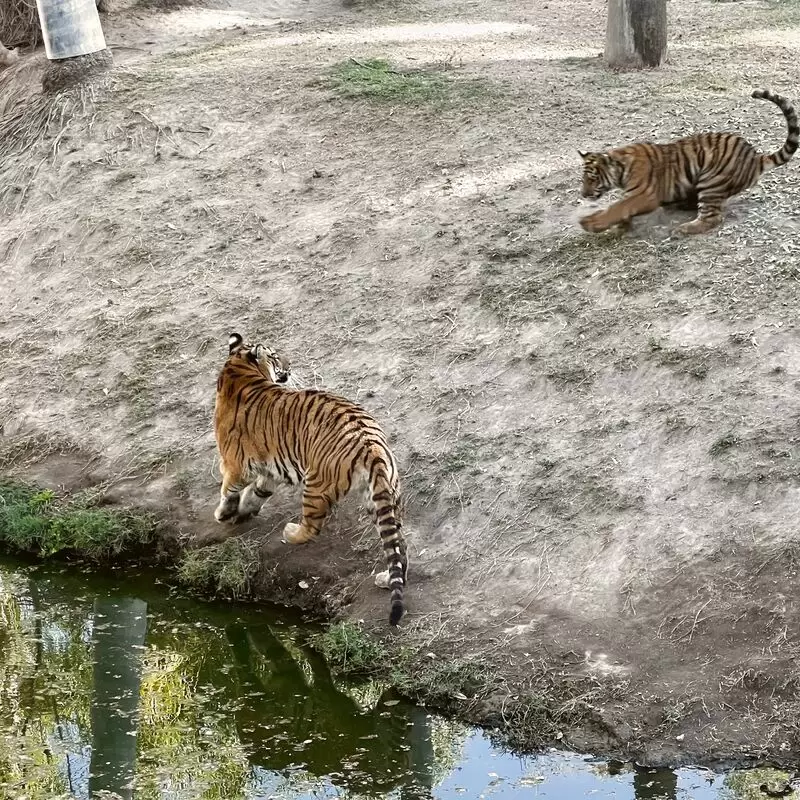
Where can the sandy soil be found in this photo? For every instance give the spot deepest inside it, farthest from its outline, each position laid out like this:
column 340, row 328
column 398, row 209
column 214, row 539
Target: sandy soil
column 599, row 435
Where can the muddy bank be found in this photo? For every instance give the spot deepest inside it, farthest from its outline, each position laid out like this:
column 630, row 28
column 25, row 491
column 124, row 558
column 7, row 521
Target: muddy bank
column 529, row 702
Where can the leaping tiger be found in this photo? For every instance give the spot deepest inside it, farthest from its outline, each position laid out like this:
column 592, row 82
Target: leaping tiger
column 707, row 168
column 268, row 434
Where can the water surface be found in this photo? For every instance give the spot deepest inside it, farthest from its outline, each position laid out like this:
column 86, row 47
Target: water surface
column 113, row 687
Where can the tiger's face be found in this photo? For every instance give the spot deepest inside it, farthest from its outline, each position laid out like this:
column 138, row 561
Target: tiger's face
column 272, row 365
column 600, row 174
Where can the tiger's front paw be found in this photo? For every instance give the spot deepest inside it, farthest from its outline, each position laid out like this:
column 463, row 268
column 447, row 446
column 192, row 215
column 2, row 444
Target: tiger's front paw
column 228, row 509
column 295, row 534
column 594, row 223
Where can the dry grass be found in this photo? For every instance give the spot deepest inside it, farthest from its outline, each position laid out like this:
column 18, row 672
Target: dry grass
column 19, row 23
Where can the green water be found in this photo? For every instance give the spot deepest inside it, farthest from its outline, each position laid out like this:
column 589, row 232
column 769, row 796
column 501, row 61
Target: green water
column 113, row 687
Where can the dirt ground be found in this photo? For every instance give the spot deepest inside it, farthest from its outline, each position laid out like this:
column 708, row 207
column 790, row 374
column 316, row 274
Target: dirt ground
column 599, row 434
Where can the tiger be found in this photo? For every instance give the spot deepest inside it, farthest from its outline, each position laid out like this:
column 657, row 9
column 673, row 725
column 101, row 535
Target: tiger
column 268, row 433
column 705, row 169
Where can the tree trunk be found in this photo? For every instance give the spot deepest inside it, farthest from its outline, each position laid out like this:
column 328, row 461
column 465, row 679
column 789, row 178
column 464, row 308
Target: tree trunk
column 636, row 34
column 74, row 42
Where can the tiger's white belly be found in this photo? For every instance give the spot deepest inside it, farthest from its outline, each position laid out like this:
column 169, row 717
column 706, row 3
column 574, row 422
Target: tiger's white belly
column 278, row 473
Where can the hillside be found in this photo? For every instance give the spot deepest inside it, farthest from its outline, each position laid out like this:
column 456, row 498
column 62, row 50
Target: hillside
column 598, row 434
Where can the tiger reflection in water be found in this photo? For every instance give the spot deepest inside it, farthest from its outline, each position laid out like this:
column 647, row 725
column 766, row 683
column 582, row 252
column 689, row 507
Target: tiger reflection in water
column 284, row 721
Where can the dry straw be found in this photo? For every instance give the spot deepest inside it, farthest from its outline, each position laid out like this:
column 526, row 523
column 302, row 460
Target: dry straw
column 19, row 23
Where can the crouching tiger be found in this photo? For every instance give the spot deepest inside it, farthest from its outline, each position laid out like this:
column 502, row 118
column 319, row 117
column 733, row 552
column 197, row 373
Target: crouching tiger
column 705, row 169
column 268, row 434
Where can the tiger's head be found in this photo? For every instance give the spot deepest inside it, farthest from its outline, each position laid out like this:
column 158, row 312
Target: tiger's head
column 271, row 365
column 600, row 174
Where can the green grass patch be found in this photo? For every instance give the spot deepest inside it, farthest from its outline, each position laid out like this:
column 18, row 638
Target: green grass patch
column 440, row 683
column 747, row 784
column 226, row 569
column 376, row 79
column 352, row 652
column 37, row 521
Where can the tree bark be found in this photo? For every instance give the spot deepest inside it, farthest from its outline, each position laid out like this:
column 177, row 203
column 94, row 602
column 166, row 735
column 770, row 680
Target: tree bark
column 636, row 34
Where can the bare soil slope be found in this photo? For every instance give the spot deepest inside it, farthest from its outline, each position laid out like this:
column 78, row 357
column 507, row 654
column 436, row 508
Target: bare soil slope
column 599, row 434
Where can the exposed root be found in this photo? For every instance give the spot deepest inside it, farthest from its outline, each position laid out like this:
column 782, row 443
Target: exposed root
column 33, row 124
column 69, row 72
column 19, row 23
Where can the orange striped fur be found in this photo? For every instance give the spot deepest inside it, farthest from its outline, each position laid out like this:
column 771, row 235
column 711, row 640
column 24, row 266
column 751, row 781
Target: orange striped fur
column 705, row 169
column 268, row 434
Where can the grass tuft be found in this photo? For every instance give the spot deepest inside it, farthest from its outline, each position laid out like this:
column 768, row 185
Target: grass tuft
column 440, row 683
column 747, row 784
column 724, row 443
column 226, row 569
column 351, row 651
column 39, row 522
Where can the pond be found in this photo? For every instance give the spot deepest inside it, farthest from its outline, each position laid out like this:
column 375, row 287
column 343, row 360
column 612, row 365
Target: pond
column 114, row 687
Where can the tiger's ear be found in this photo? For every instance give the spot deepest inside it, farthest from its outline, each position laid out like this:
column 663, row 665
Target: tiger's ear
column 582, row 155
column 234, row 343
column 256, row 351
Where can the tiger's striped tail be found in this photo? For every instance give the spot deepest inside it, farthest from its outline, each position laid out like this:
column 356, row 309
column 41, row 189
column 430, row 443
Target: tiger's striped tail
column 780, row 157
column 386, row 499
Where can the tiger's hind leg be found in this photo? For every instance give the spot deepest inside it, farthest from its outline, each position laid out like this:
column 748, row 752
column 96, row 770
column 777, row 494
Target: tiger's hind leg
column 709, row 216
column 318, row 499
column 254, row 496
